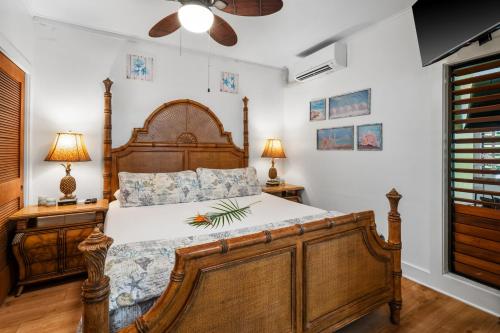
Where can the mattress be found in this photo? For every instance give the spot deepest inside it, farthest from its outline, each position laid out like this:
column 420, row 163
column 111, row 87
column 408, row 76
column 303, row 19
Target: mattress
column 138, row 224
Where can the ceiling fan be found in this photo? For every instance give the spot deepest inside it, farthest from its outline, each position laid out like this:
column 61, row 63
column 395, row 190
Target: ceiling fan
column 197, row 16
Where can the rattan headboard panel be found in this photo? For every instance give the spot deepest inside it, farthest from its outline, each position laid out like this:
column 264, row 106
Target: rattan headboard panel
column 179, row 135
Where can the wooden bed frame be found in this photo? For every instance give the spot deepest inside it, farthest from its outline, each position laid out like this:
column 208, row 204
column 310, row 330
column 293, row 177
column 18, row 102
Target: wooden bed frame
column 315, row 277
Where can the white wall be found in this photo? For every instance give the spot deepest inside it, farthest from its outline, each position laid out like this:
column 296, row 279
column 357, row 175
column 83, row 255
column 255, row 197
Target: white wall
column 16, row 32
column 17, row 43
column 70, row 65
column 408, row 100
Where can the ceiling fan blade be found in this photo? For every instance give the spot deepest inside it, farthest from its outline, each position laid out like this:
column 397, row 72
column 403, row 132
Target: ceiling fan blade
column 253, row 7
column 166, row 26
column 222, row 32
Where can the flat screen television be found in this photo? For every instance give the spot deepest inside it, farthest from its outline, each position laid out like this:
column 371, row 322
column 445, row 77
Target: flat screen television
column 444, row 26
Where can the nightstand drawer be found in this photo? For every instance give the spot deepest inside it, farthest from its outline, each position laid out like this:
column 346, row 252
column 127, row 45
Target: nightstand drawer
column 74, row 263
column 46, row 221
column 43, row 268
column 40, row 247
column 73, row 258
column 73, row 237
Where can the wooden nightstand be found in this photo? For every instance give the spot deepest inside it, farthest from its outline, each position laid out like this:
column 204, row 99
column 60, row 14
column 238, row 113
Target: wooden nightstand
column 46, row 240
column 286, row 191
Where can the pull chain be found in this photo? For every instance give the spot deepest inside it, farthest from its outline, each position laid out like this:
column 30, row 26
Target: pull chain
column 208, row 69
column 180, row 41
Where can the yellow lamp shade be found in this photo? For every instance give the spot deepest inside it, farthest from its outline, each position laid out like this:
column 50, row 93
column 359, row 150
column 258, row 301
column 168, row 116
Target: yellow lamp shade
column 273, row 149
column 68, row 147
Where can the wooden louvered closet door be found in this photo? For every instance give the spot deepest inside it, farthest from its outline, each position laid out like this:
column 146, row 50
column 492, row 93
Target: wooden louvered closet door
column 11, row 160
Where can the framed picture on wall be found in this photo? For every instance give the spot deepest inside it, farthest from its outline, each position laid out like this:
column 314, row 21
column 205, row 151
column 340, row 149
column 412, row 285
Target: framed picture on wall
column 229, row 82
column 370, row 137
column 139, row 67
column 350, row 105
column 317, row 109
column 337, row 138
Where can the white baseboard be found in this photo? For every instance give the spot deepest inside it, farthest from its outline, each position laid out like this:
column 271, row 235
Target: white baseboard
column 422, row 276
column 412, row 267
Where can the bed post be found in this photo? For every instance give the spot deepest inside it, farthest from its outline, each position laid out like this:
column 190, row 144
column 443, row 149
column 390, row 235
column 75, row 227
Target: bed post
column 395, row 240
column 245, row 130
column 106, row 193
column 95, row 289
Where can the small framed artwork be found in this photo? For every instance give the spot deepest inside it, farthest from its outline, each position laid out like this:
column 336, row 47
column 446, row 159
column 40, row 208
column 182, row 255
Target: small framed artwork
column 229, row 82
column 139, row 67
column 370, row 137
column 350, row 105
column 317, row 110
column 337, row 138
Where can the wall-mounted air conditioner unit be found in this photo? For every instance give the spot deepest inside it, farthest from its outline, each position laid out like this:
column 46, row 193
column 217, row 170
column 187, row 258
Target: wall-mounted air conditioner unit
column 327, row 60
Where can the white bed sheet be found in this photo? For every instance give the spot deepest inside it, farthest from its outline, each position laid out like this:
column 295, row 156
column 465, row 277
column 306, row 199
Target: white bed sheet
column 137, row 224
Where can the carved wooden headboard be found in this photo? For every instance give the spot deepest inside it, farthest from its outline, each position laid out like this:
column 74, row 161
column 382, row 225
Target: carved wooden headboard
column 179, row 135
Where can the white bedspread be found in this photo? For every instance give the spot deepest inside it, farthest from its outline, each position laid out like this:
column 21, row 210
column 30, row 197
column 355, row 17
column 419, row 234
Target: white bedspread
column 137, row 224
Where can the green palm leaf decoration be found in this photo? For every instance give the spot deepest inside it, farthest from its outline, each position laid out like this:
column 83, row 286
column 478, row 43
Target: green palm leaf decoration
column 226, row 212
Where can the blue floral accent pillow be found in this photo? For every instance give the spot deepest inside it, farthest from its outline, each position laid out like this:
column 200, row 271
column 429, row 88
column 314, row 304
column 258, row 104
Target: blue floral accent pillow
column 147, row 189
column 228, row 183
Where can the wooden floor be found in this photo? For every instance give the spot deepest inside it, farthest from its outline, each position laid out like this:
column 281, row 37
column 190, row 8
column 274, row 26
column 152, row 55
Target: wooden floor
column 57, row 309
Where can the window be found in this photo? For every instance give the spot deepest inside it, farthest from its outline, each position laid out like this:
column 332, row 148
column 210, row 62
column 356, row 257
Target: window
column 474, row 169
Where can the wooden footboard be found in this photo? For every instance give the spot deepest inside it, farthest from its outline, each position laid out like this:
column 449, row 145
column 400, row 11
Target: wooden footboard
column 313, row 277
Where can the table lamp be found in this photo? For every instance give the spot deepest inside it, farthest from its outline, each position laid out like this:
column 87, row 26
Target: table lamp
column 273, row 149
column 68, row 147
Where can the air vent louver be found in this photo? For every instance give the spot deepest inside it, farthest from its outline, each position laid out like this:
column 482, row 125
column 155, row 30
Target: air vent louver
column 317, row 71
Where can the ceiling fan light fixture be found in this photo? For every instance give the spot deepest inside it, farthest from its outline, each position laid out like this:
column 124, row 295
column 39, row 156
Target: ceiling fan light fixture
column 220, row 4
column 196, row 17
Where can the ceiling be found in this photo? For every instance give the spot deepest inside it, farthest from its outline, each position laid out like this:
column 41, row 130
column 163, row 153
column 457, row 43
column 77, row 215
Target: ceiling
column 273, row 40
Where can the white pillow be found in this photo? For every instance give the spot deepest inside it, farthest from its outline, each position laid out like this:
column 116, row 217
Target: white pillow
column 228, row 183
column 147, row 189
column 117, row 195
